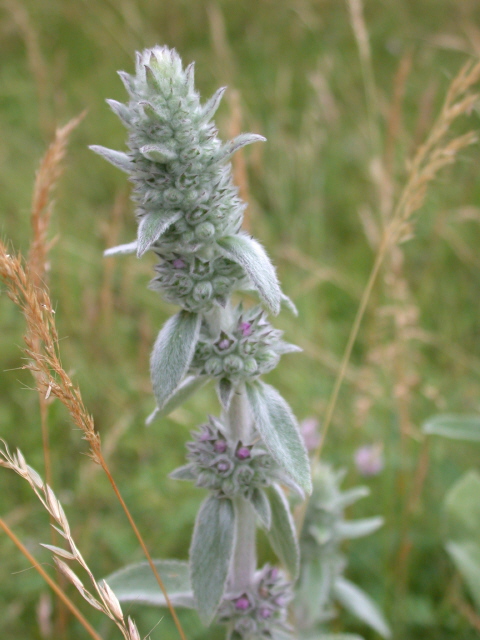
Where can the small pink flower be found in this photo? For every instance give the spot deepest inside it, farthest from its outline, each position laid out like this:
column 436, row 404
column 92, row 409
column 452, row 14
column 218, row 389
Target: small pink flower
column 242, row 603
column 243, row 453
column 245, row 328
column 178, row 263
column 369, row 459
column 220, row 446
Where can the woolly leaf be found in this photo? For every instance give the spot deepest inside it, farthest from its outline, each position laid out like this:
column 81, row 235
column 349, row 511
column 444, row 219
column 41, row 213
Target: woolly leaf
column 350, row 529
column 349, row 497
column 262, row 507
column 251, row 256
column 358, row 603
column 121, row 110
column 184, row 473
column 151, row 227
column 287, row 302
column 122, row 249
column 179, row 396
column 279, row 431
column 225, row 391
column 462, row 507
column 210, row 107
column 155, row 113
column 456, row 427
column 190, row 76
column 210, row 554
column 285, row 347
column 117, row 158
column 172, row 353
column 128, row 82
column 466, row 557
column 237, row 143
column 158, row 153
column 282, row 534
column 137, row 583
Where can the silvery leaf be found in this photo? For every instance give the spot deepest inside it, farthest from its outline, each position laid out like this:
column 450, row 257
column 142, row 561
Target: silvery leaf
column 237, row 143
column 350, row 529
column 262, row 507
column 285, row 347
column 128, row 82
column 279, row 431
column 121, row 110
column 466, row 557
column 121, row 249
column 225, row 391
column 184, row 473
column 211, row 553
column 210, row 107
column 179, row 396
column 190, row 76
column 251, row 256
column 289, row 304
column 151, row 226
column 358, row 603
column 282, row 534
column 117, row 158
column 137, row 583
column 457, row 427
column 172, row 353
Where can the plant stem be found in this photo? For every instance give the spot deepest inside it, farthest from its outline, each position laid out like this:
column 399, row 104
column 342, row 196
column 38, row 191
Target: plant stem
column 244, row 556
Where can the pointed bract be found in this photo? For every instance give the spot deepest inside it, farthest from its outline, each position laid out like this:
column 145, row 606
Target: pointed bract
column 117, row 158
column 251, row 256
column 172, row 354
column 209, row 109
column 237, row 143
column 151, row 227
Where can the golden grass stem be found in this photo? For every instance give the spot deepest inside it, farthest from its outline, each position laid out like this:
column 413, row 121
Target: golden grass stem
column 63, row 597
column 45, row 361
column 144, row 548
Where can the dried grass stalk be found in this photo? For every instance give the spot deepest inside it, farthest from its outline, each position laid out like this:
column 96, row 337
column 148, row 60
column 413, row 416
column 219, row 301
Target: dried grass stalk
column 44, row 361
column 104, row 599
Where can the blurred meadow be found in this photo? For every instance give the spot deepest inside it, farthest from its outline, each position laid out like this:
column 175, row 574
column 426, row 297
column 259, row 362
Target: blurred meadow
column 344, row 101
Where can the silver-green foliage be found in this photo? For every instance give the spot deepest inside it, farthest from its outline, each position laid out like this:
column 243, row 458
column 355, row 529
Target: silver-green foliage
column 190, row 216
column 322, row 581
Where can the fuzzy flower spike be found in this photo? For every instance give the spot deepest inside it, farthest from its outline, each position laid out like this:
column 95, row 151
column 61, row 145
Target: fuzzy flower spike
column 189, row 214
column 187, row 206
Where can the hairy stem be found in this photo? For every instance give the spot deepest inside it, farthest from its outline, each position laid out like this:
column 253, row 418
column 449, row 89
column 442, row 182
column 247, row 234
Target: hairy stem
column 244, row 557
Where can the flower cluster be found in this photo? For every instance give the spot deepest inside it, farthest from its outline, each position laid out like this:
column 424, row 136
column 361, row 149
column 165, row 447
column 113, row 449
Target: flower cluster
column 184, row 194
column 225, row 467
column 259, row 611
column 196, row 283
column 251, row 348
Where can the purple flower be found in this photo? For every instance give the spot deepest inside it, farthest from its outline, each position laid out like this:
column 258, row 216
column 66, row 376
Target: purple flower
column 178, row 263
column 243, row 453
column 242, row 603
column 245, row 328
column 369, row 459
column 265, row 613
column 220, row 446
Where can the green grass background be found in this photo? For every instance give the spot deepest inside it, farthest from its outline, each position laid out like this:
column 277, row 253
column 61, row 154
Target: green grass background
column 296, row 67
